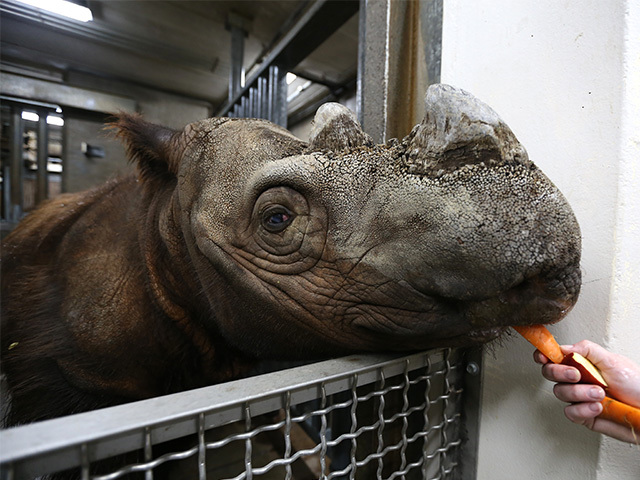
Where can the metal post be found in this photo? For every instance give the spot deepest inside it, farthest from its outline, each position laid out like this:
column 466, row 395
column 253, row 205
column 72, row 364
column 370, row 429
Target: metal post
column 42, row 177
column 235, row 24
column 16, row 177
column 471, row 405
column 398, row 57
column 373, row 67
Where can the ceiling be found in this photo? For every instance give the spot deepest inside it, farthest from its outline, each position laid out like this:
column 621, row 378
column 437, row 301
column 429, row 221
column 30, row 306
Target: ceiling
column 181, row 46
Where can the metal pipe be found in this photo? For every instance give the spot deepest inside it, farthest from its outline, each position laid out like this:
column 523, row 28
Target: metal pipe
column 263, row 86
column 252, row 103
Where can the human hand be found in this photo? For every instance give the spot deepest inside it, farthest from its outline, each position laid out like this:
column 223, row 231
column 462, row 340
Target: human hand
column 622, row 375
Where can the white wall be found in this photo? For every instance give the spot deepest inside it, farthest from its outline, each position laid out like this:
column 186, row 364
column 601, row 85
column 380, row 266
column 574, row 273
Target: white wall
column 565, row 75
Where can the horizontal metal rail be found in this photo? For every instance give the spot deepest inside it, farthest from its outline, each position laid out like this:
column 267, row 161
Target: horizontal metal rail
column 30, row 450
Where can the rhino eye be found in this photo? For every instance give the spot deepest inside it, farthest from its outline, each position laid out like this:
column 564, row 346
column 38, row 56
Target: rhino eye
column 276, row 219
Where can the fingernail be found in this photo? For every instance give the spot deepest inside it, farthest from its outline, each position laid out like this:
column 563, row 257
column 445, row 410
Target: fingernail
column 594, row 407
column 572, row 375
column 596, row 393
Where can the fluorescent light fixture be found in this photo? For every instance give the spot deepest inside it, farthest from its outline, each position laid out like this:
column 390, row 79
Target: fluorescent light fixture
column 54, row 120
column 62, row 7
column 30, row 116
column 291, row 78
column 51, row 119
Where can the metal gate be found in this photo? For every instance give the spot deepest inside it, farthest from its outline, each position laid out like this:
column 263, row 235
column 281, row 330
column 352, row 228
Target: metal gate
column 366, row 417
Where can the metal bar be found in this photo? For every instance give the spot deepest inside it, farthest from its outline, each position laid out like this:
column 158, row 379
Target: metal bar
column 245, row 107
column 42, row 176
column 471, row 405
column 120, row 429
column 280, row 113
column 16, row 177
column 373, row 67
column 399, row 52
column 6, row 192
column 273, row 85
column 237, row 59
column 252, row 103
column 7, row 99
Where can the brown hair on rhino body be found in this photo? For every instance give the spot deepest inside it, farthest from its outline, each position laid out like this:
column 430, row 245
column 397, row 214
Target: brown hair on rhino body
column 239, row 242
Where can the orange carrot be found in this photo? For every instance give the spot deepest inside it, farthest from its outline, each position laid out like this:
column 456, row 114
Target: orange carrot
column 542, row 339
column 613, row 410
column 621, row 413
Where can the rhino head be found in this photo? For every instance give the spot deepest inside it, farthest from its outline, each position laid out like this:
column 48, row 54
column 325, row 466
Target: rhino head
column 444, row 238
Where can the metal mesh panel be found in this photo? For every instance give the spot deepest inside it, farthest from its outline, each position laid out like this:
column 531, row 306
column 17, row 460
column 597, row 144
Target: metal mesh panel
column 352, row 418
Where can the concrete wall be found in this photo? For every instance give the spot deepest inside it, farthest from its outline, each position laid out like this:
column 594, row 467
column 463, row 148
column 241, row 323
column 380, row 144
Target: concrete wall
column 565, row 75
column 82, row 171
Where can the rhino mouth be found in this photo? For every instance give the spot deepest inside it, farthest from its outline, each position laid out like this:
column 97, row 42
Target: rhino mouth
column 544, row 298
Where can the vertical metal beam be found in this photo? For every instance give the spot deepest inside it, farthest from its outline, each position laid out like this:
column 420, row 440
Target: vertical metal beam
column 471, row 405
column 235, row 24
column 16, row 177
column 42, row 176
column 398, row 57
column 373, row 67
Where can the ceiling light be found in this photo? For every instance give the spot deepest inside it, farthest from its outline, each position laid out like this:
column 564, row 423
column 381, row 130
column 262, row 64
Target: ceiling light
column 30, row 116
column 34, row 117
column 62, row 7
column 55, row 120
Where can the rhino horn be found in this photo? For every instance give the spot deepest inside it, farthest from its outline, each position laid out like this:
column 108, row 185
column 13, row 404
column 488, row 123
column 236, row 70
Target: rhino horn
column 335, row 127
column 457, row 130
column 152, row 147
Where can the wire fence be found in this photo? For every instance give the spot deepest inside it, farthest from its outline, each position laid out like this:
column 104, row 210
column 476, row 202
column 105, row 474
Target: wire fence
column 359, row 417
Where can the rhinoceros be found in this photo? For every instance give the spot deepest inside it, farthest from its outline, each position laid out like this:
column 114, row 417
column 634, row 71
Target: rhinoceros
column 235, row 242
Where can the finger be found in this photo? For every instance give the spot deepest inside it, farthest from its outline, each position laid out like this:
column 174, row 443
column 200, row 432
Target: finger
column 583, row 413
column 577, row 393
column 560, row 373
column 540, row 357
column 615, row 430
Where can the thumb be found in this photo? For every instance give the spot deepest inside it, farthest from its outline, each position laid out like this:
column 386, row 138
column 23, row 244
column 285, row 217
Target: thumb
column 596, row 354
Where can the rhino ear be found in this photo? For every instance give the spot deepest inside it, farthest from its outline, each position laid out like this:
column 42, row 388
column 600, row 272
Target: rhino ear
column 153, row 148
column 335, row 127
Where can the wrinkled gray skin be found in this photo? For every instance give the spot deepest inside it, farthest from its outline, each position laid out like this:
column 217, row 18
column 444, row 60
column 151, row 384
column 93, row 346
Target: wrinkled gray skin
column 444, row 238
